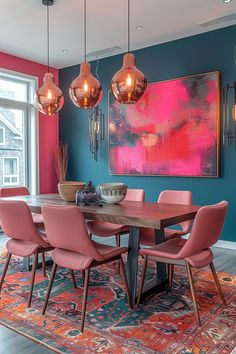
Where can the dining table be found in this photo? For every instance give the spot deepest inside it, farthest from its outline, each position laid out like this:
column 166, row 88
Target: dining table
column 135, row 215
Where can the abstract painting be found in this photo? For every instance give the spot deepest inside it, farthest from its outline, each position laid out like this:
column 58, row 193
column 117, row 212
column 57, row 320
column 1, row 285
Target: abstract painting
column 173, row 130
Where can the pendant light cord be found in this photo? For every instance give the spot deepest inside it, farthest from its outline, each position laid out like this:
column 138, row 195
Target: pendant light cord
column 85, row 29
column 48, row 44
column 128, row 26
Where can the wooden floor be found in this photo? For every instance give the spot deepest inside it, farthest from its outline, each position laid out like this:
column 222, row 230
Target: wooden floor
column 13, row 343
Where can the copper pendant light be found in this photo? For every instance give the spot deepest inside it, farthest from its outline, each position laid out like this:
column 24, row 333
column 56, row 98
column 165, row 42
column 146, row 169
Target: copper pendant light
column 48, row 98
column 128, row 84
column 85, row 90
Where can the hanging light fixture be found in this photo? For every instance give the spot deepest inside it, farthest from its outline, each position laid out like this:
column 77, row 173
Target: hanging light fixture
column 85, row 90
column 128, row 84
column 48, row 98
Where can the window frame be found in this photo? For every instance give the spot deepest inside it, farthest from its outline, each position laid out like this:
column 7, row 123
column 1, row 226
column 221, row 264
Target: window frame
column 30, row 136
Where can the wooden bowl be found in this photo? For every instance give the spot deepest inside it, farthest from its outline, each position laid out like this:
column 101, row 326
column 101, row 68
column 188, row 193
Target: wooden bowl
column 68, row 189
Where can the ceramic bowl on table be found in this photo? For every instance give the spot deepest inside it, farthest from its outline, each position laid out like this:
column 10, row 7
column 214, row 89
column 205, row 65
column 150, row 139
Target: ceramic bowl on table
column 68, row 189
column 112, row 193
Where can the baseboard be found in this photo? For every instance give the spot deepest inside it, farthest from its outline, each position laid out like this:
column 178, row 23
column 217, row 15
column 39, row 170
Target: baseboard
column 226, row 244
column 221, row 243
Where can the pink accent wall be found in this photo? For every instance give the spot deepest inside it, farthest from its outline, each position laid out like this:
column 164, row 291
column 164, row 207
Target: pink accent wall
column 48, row 126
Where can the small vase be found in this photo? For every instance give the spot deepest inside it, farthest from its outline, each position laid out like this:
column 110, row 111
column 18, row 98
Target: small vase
column 88, row 196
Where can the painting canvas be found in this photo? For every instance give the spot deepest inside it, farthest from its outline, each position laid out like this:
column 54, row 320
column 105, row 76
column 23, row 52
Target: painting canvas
column 173, row 130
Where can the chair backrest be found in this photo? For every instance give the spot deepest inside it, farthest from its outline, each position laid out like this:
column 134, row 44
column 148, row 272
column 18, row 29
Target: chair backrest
column 66, row 229
column 136, row 195
column 13, row 191
column 177, row 197
column 206, row 230
column 16, row 222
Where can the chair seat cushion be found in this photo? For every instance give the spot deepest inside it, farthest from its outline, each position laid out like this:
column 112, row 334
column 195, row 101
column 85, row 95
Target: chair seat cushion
column 21, row 248
column 170, row 249
column 201, row 259
column 105, row 229
column 78, row 261
column 27, row 248
column 147, row 236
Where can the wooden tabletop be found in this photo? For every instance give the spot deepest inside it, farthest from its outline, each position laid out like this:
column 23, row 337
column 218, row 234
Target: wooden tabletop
column 141, row 214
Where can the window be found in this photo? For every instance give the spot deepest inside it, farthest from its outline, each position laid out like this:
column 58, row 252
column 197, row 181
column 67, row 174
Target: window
column 2, row 136
column 18, row 131
column 10, row 171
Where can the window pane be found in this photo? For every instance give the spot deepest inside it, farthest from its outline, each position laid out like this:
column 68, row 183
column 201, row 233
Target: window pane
column 13, row 90
column 12, row 154
column 10, row 166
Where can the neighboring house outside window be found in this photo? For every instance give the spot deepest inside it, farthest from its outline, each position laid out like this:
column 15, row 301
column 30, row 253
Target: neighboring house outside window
column 2, row 136
column 18, row 131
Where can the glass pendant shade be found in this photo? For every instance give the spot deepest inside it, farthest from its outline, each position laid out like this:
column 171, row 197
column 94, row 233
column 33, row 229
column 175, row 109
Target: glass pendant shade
column 85, row 90
column 48, row 98
column 129, row 84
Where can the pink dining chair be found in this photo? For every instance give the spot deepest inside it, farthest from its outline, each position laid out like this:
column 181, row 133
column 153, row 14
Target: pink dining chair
column 194, row 252
column 67, row 232
column 17, row 191
column 147, row 235
column 107, row 229
column 25, row 239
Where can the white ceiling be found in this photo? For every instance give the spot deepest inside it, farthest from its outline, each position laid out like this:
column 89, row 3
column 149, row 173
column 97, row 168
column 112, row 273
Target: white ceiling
column 23, row 25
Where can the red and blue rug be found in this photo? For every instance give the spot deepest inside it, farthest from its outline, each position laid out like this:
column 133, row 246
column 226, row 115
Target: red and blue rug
column 164, row 324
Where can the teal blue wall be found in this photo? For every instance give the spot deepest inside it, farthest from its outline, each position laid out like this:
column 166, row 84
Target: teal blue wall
column 198, row 54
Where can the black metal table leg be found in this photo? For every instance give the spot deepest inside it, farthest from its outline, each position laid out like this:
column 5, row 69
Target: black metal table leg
column 158, row 283
column 26, row 264
column 161, row 267
column 132, row 266
column 132, row 262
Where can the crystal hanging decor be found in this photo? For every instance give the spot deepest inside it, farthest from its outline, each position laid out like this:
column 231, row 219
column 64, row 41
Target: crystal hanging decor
column 96, row 130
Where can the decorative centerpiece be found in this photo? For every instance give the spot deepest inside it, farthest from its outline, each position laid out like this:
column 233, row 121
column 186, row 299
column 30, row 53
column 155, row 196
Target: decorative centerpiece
column 88, row 196
column 113, row 193
column 66, row 189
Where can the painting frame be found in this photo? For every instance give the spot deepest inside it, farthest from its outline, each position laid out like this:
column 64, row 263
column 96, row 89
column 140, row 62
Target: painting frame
column 215, row 162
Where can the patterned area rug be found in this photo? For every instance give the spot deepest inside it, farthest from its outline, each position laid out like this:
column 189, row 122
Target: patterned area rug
column 165, row 323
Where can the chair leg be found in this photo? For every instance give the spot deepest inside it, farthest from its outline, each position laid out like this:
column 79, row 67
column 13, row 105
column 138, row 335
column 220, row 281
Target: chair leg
column 35, row 263
column 52, row 277
column 44, row 265
column 5, row 269
column 85, row 295
column 83, row 275
column 142, row 280
column 118, row 245
column 190, row 276
column 217, row 283
column 125, row 282
column 73, row 278
column 170, row 275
